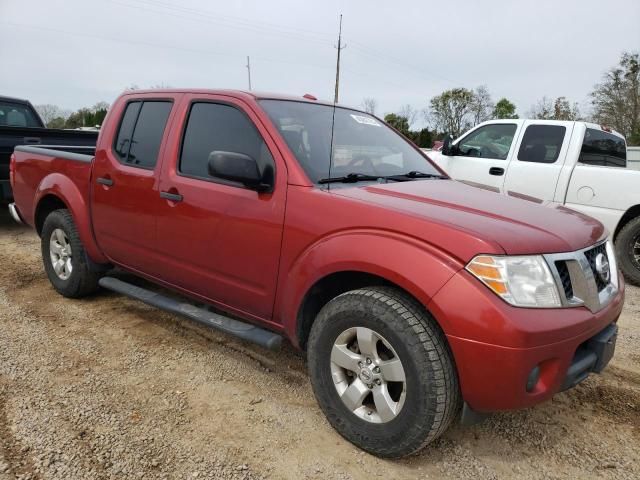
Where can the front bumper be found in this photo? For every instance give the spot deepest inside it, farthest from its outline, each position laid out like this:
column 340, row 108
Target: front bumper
column 15, row 213
column 510, row 358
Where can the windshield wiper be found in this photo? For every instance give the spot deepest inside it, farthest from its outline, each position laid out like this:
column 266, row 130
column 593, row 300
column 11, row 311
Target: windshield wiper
column 416, row 174
column 357, row 177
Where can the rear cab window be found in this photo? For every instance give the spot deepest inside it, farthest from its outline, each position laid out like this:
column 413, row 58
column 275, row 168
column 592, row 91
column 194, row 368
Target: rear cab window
column 140, row 133
column 541, row 143
column 17, row 115
column 603, row 149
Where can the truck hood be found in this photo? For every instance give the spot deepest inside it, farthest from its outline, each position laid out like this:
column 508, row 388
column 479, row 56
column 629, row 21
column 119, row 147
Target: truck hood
column 517, row 225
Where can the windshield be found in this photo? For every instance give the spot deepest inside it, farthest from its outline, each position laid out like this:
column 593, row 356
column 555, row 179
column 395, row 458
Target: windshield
column 17, row 115
column 361, row 143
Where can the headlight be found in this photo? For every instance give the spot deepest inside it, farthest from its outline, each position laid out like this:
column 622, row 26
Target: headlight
column 523, row 281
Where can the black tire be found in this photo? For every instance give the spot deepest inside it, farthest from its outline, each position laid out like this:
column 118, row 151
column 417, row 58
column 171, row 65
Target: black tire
column 433, row 397
column 82, row 280
column 626, row 251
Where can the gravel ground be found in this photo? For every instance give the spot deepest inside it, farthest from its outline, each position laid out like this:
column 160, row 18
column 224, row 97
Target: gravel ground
column 109, row 388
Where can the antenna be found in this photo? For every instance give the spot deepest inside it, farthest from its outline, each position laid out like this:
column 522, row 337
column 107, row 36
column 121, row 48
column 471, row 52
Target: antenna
column 249, row 71
column 335, row 100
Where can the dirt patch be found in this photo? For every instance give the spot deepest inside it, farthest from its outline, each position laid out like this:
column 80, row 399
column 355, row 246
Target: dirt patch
column 108, row 388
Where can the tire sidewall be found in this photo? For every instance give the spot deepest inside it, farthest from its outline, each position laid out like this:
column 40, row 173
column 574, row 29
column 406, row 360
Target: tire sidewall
column 377, row 316
column 625, row 243
column 54, row 221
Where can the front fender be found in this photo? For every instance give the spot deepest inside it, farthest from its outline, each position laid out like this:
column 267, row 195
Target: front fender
column 413, row 265
column 67, row 191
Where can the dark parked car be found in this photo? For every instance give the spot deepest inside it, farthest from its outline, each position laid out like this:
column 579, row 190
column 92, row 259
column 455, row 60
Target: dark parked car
column 20, row 124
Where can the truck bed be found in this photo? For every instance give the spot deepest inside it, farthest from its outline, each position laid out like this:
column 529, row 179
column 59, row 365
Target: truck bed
column 50, row 167
column 10, row 137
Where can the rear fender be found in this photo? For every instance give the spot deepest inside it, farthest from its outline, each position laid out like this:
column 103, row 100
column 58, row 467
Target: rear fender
column 413, row 265
column 63, row 188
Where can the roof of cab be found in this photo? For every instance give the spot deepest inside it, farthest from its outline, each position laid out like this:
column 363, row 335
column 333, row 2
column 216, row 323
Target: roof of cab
column 253, row 95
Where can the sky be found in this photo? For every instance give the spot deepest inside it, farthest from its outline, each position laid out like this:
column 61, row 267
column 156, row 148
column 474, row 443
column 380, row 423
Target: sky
column 74, row 53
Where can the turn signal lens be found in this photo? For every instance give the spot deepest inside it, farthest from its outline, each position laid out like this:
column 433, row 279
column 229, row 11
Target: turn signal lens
column 523, row 281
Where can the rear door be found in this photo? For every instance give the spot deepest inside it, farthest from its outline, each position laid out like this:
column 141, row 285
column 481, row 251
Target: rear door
column 539, row 157
column 218, row 239
column 482, row 156
column 125, row 200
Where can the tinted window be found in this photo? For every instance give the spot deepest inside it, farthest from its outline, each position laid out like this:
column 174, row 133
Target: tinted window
column 213, row 126
column 361, row 143
column 602, row 148
column 123, row 139
column 491, row 141
column 147, row 134
column 17, row 115
column 541, row 143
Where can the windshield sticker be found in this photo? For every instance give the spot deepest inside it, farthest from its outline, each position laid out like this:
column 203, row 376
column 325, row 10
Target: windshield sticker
column 365, row 120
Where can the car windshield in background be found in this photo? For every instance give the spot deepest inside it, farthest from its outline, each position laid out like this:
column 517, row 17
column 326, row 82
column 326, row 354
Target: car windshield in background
column 603, row 148
column 16, row 115
column 362, row 145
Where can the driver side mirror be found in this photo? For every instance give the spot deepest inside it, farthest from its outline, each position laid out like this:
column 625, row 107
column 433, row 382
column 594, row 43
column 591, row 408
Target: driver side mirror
column 447, row 148
column 241, row 168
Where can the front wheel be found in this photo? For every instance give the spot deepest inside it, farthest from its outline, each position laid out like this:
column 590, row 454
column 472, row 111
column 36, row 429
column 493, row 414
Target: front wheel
column 628, row 250
column 382, row 371
column 64, row 258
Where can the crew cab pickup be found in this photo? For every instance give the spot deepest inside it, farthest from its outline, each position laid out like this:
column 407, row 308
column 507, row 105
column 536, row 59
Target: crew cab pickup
column 20, row 124
column 576, row 164
column 417, row 299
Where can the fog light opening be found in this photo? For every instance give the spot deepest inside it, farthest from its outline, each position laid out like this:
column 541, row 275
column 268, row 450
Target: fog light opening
column 533, row 378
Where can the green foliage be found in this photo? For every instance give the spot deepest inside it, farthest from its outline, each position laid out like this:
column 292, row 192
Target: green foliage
column 398, row 122
column 616, row 101
column 451, row 110
column 57, row 122
column 504, row 109
column 88, row 117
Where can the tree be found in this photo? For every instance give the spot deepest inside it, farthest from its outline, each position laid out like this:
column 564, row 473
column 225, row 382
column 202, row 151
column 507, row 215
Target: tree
column 558, row 109
column 563, row 110
column 504, row 109
column 451, row 111
column 542, row 110
column 616, row 100
column 369, row 105
column 88, row 117
column 49, row 113
column 410, row 113
column 482, row 106
column 398, row 122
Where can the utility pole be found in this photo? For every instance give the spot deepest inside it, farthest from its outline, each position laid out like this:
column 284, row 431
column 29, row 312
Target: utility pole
column 339, row 47
column 249, row 71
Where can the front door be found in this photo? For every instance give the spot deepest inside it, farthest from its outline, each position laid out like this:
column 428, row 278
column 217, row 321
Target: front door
column 125, row 185
column 219, row 239
column 481, row 157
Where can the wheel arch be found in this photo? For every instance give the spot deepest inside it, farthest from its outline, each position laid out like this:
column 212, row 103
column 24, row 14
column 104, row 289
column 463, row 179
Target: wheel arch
column 629, row 215
column 58, row 191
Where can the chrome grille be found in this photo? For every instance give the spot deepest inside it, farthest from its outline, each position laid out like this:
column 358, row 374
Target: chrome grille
column 578, row 280
column 591, row 258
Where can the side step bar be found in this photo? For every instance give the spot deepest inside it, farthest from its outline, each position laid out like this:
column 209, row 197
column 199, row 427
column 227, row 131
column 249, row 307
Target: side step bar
column 228, row 325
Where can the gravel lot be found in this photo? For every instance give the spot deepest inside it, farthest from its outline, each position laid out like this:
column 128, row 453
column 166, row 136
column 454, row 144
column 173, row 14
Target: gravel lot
column 109, row 388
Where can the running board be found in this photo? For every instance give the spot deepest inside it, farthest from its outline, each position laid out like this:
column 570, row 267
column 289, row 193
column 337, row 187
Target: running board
column 228, row 325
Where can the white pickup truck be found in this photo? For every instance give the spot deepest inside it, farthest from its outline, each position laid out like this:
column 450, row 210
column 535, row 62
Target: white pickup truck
column 576, row 164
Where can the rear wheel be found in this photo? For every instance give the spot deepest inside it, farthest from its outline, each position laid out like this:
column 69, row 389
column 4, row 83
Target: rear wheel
column 382, row 371
column 628, row 250
column 64, row 257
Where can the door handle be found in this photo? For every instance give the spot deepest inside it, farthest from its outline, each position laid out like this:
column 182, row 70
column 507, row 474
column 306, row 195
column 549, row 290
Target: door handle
column 105, row 181
column 32, row 140
column 174, row 197
column 497, row 171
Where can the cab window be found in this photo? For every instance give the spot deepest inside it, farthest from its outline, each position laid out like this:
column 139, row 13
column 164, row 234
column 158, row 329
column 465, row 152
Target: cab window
column 491, row 141
column 541, row 143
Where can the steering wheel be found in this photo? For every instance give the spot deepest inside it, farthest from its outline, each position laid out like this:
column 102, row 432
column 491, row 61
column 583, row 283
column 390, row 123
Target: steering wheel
column 494, row 151
column 361, row 160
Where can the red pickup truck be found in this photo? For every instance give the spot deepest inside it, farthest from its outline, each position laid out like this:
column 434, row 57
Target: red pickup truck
column 417, row 299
